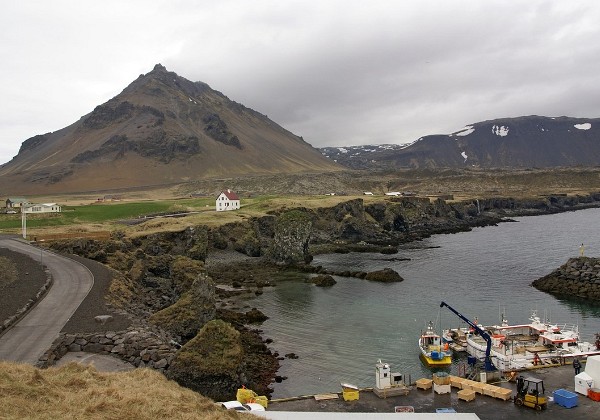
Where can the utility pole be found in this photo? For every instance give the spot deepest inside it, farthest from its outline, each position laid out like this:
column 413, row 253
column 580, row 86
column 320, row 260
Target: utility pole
column 23, row 223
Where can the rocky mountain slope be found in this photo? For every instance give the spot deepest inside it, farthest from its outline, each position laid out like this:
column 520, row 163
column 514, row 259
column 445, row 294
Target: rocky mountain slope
column 523, row 142
column 161, row 129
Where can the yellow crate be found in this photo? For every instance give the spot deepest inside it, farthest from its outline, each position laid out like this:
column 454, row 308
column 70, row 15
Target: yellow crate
column 350, row 394
column 503, row 393
column 441, row 379
column 423, row 383
column 244, row 395
column 466, row 395
column 456, row 382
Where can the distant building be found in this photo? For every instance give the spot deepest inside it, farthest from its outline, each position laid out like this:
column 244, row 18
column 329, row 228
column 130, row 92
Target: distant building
column 394, row 193
column 227, row 200
column 16, row 202
column 41, row 208
column 368, row 193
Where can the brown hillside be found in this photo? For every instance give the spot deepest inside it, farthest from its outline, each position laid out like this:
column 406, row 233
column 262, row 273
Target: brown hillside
column 162, row 129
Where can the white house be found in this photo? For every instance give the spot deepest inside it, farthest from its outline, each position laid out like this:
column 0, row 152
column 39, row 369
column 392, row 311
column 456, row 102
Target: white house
column 227, row 200
column 41, row 208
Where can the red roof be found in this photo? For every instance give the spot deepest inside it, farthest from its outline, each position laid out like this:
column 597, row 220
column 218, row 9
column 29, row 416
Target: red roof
column 230, row 195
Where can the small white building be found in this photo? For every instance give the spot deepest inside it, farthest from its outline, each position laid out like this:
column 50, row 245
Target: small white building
column 16, row 202
column 227, row 200
column 41, row 208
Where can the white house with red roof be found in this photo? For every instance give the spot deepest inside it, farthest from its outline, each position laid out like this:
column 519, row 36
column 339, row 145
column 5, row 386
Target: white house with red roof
column 228, row 200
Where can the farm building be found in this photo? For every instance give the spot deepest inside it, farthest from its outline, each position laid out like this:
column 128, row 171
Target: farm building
column 16, row 202
column 41, row 208
column 227, row 200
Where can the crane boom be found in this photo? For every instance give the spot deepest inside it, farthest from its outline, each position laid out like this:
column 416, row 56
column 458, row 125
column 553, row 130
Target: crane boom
column 488, row 361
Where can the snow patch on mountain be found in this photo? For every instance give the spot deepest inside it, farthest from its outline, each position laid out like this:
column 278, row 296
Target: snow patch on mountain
column 501, row 130
column 465, row 131
column 584, row 126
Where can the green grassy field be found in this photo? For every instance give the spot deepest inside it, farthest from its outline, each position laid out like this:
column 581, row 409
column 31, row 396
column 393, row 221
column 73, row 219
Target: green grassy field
column 101, row 213
column 107, row 216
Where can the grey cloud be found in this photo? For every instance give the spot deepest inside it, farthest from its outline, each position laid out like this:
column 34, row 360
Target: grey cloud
column 335, row 72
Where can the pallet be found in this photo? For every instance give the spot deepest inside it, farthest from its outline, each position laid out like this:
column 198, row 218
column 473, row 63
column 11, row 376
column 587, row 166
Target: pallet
column 321, row 397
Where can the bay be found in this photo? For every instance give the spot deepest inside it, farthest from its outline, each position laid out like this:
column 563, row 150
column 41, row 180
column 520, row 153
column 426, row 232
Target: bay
column 339, row 333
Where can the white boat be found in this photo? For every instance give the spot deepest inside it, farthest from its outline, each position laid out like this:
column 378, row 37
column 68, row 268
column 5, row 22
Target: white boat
column 433, row 351
column 456, row 338
column 525, row 346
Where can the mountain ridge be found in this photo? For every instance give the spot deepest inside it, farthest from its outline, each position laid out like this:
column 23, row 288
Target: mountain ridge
column 517, row 142
column 161, row 129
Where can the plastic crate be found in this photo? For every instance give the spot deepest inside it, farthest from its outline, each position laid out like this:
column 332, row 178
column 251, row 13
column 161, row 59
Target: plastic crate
column 594, row 394
column 565, row 398
column 445, row 410
column 350, row 394
column 441, row 378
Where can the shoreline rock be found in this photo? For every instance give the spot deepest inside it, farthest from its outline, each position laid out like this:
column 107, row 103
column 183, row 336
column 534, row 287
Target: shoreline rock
column 578, row 278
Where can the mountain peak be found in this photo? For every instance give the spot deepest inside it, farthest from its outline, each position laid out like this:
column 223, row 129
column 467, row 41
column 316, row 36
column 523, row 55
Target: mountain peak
column 159, row 67
column 161, row 129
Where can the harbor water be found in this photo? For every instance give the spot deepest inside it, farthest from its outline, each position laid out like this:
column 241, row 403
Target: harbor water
column 339, row 333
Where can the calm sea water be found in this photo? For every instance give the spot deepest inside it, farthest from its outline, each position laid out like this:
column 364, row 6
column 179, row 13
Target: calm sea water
column 339, row 333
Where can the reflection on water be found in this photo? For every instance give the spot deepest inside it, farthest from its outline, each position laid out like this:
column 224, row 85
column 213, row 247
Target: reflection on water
column 339, row 333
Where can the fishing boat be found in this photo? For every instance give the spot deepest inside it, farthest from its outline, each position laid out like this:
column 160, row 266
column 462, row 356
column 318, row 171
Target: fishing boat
column 526, row 346
column 433, row 351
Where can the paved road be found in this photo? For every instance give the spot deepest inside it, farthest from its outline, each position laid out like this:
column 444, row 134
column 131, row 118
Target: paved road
column 34, row 333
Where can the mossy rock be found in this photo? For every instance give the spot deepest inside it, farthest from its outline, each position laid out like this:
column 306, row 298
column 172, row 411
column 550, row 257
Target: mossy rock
column 211, row 362
column 255, row 316
column 389, row 250
column 387, row 275
column 184, row 271
column 292, row 235
column 323, row 280
column 195, row 308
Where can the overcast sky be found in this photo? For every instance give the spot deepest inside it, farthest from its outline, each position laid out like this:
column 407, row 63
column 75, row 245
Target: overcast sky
column 335, row 72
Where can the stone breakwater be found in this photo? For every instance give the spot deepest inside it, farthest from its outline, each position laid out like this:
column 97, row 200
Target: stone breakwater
column 139, row 347
column 577, row 278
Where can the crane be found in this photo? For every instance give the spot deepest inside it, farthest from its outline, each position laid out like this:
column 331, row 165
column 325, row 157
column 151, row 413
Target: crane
column 487, row 361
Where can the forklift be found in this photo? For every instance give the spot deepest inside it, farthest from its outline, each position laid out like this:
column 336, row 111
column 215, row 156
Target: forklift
column 530, row 393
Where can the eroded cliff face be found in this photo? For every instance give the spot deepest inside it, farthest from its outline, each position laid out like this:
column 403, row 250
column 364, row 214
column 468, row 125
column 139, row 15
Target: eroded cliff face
column 291, row 238
column 288, row 236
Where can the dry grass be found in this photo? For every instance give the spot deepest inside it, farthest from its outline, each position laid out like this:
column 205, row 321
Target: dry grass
column 75, row 391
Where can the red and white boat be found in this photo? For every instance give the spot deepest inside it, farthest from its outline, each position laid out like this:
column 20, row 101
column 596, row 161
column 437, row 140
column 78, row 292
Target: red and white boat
column 524, row 346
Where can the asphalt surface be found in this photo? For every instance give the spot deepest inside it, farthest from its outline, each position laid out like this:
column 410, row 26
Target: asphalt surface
column 34, row 333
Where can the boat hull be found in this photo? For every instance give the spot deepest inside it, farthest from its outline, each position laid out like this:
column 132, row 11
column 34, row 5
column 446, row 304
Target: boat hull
column 444, row 361
column 527, row 357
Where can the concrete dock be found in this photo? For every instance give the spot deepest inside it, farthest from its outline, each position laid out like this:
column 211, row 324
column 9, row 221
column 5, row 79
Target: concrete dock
column 484, row 406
